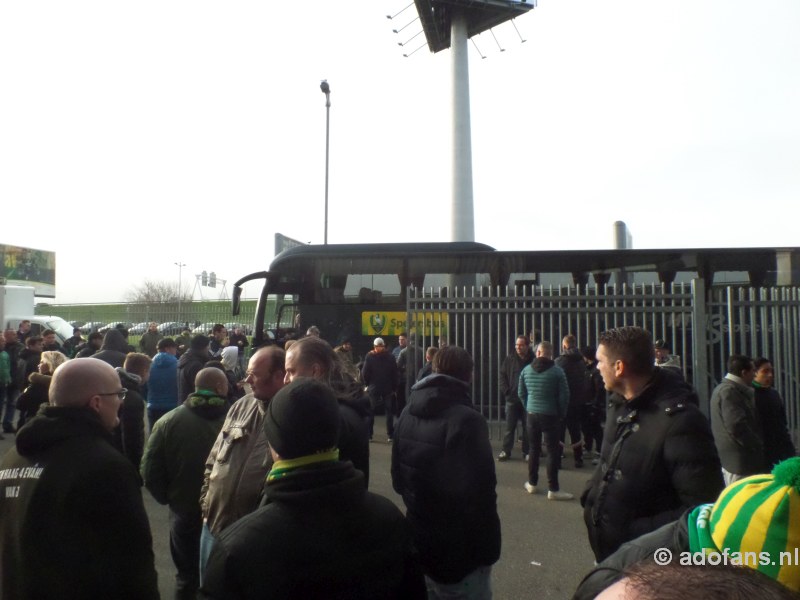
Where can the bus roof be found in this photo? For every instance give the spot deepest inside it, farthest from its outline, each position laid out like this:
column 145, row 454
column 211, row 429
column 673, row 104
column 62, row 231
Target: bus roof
column 431, row 256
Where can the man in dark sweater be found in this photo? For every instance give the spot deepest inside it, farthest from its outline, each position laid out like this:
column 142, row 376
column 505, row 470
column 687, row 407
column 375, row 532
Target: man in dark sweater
column 515, row 408
column 189, row 365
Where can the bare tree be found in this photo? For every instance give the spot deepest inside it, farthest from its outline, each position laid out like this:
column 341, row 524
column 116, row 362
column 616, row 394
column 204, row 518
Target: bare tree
column 156, row 292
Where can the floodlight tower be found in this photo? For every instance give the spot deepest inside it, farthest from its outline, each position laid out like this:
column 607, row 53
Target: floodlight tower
column 450, row 23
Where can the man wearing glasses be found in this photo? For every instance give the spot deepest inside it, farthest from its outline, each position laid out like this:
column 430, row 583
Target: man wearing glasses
column 71, row 501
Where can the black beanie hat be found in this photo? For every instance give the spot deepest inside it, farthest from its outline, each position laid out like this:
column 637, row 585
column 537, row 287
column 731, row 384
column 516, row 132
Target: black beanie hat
column 199, row 342
column 302, row 419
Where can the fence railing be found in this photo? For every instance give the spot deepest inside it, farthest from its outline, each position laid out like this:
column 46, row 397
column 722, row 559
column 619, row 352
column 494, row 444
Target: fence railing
column 701, row 326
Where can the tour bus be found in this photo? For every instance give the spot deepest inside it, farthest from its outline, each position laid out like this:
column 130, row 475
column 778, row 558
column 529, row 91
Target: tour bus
column 480, row 298
column 358, row 291
column 355, row 291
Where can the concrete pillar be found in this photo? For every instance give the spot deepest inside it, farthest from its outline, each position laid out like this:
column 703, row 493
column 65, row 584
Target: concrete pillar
column 463, row 214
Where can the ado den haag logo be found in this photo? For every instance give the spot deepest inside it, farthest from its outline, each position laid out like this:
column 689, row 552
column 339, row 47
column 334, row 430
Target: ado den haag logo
column 377, row 322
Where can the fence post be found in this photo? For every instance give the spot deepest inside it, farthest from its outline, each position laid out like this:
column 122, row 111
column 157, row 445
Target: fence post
column 700, row 370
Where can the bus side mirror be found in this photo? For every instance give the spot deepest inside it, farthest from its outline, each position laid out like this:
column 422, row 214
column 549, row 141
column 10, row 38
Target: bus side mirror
column 235, row 300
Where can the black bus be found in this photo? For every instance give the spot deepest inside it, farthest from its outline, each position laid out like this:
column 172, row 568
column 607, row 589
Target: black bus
column 355, row 291
column 358, row 291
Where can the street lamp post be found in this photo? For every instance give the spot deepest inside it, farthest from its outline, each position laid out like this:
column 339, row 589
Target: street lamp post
column 180, row 266
column 326, row 89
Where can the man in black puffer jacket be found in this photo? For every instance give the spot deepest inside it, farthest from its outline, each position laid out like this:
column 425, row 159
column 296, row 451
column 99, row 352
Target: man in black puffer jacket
column 443, row 467
column 658, row 456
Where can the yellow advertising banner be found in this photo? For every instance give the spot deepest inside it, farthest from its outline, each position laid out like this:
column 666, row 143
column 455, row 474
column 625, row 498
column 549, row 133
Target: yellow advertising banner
column 376, row 323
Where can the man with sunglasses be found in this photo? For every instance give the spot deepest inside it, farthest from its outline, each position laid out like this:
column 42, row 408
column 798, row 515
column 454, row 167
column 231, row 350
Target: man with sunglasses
column 72, row 520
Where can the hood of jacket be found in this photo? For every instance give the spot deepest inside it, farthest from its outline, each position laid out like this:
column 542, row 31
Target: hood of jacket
column 163, row 360
column 572, row 356
column 330, row 484
column 540, row 364
column 55, row 424
column 130, row 381
column 230, row 357
column 189, row 357
column 36, row 378
column 114, row 340
column 436, row 393
column 664, row 384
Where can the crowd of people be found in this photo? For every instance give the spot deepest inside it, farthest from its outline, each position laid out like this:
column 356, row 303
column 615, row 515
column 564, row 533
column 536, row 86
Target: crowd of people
column 265, row 472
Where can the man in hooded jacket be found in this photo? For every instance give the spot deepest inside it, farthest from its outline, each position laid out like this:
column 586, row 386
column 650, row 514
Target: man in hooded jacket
column 442, row 466
column 114, row 349
column 72, row 520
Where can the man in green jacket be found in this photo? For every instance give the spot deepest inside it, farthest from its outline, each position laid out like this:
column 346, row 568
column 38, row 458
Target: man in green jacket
column 543, row 387
column 173, row 466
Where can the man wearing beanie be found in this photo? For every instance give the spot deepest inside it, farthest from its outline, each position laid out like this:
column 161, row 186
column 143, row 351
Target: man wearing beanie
column 756, row 515
column 380, row 375
column 321, row 534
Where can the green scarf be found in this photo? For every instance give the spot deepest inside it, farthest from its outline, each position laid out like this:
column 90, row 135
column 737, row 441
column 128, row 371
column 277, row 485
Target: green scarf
column 699, row 533
column 205, row 398
column 283, row 467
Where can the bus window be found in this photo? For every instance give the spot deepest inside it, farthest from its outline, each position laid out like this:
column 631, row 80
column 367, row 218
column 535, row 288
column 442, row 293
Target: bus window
column 373, row 288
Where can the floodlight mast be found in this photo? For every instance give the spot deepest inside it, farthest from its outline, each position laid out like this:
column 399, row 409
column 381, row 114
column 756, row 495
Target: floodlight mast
column 450, row 24
column 326, row 89
column 463, row 213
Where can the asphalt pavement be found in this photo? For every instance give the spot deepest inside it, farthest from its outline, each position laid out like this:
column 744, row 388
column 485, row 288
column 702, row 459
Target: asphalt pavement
column 545, row 552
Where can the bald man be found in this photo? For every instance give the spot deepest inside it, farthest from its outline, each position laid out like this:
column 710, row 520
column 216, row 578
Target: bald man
column 237, row 464
column 173, row 465
column 72, row 521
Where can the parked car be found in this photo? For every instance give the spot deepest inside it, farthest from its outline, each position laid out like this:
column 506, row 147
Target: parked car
column 205, row 328
column 170, row 328
column 92, row 326
column 113, row 325
column 138, row 328
column 247, row 330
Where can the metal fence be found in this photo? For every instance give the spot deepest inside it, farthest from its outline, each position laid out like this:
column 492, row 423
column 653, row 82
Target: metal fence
column 486, row 321
column 200, row 315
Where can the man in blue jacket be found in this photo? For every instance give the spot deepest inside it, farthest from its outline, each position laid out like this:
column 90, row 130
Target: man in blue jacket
column 162, row 387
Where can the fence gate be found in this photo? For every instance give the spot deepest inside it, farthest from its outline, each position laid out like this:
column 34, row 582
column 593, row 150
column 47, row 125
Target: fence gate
column 486, row 321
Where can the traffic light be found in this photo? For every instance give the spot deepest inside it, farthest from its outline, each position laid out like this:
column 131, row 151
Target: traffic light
column 204, row 279
column 212, row 279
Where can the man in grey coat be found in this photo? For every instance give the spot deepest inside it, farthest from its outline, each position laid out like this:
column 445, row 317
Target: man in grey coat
column 734, row 422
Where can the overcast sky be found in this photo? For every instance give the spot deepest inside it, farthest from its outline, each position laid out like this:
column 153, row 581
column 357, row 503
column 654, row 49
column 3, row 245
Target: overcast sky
column 134, row 135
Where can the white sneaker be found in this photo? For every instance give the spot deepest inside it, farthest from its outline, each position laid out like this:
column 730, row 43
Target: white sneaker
column 559, row 496
column 531, row 489
column 525, row 458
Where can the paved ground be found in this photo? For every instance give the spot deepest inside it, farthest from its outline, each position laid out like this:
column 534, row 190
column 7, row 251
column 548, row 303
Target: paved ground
column 545, row 552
